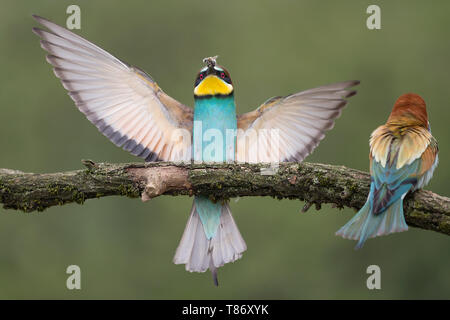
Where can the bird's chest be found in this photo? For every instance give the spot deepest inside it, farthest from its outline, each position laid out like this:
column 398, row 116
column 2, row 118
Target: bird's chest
column 214, row 129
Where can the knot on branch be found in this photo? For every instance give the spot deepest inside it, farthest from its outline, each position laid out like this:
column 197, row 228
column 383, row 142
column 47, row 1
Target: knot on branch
column 160, row 179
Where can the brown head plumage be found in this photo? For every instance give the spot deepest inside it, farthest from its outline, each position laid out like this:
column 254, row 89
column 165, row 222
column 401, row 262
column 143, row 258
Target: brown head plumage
column 409, row 109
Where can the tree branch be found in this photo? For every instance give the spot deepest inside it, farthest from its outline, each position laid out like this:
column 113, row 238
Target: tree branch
column 314, row 183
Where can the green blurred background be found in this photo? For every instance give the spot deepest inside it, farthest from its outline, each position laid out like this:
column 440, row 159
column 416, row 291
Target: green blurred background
column 125, row 247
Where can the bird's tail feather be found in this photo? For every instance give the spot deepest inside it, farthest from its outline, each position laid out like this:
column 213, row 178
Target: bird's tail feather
column 365, row 224
column 199, row 253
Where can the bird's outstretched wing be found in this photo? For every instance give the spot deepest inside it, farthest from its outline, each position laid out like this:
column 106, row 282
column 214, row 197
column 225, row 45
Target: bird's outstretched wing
column 289, row 128
column 125, row 104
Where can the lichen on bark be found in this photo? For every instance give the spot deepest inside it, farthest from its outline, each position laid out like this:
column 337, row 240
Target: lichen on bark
column 316, row 184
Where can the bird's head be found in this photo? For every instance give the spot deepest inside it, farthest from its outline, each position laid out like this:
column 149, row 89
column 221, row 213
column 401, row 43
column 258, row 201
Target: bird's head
column 409, row 109
column 212, row 80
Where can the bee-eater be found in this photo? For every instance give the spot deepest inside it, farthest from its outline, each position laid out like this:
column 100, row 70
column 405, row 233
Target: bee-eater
column 403, row 156
column 129, row 108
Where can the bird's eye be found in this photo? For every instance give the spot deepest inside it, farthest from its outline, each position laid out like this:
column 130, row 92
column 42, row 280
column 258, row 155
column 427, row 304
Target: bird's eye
column 200, row 76
column 222, row 75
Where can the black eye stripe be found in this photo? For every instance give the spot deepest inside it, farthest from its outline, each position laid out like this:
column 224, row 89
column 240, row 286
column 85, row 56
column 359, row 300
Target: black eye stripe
column 226, row 77
column 202, row 75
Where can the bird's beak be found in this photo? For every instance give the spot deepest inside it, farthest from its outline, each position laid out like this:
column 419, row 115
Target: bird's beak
column 210, row 71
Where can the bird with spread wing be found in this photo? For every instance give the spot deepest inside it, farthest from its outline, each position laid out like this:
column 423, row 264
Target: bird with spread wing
column 129, row 108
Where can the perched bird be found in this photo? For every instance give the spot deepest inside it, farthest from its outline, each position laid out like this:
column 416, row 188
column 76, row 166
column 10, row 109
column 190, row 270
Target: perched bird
column 129, row 108
column 403, row 156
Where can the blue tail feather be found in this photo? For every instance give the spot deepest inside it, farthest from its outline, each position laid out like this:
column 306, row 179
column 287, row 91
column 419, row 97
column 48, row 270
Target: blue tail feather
column 209, row 213
column 211, row 238
column 365, row 224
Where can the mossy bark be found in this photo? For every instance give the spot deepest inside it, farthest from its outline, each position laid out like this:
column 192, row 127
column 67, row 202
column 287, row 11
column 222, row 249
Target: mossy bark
column 316, row 184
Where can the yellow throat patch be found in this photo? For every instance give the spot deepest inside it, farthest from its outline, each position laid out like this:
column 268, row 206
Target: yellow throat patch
column 212, row 85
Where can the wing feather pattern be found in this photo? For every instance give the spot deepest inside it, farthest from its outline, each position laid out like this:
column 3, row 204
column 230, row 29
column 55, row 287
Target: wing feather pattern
column 289, row 128
column 125, row 104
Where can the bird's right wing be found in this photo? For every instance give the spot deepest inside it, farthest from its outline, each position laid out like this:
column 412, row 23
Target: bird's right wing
column 289, row 128
column 125, row 104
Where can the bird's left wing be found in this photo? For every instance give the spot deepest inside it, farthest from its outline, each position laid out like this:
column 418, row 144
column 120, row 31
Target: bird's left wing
column 125, row 104
column 289, row 128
